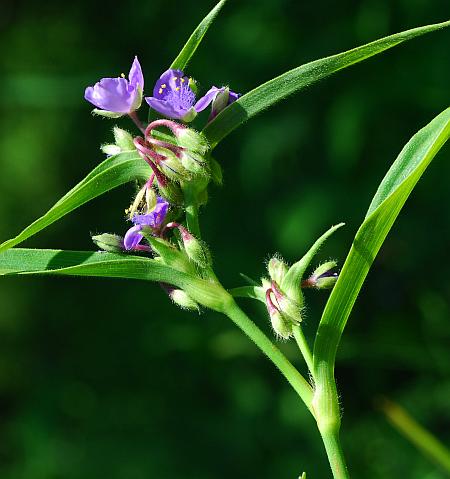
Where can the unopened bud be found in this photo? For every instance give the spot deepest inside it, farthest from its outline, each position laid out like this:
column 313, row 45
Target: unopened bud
column 182, row 299
column 194, row 163
column 195, row 249
column 288, row 306
column 110, row 149
column 123, row 139
column 323, row 277
column 171, row 166
column 109, row 242
column 171, row 192
column 280, row 323
column 191, row 140
column 277, row 269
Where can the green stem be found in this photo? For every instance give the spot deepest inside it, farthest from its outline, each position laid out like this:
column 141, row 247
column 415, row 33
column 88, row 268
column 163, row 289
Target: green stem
column 303, row 346
column 335, row 454
column 191, row 206
column 296, row 380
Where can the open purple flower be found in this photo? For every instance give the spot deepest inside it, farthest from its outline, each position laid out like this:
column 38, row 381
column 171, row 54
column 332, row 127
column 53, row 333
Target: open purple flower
column 154, row 220
column 173, row 97
column 118, row 96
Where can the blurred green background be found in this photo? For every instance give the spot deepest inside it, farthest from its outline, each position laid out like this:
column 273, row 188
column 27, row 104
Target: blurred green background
column 107, row 378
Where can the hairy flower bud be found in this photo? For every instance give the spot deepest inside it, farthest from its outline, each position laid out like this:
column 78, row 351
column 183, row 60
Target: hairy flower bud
column 183, row 300
column 195, row 249
column 109, row 242
column 277, row 269
column 123, row 139
column 194, row 163
column 288, row 306
column 110, row 149
column 280, row 323
column 191, row 140
column 323, row 277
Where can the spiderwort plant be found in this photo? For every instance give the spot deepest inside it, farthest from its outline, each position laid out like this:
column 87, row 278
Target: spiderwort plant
column 173, row 165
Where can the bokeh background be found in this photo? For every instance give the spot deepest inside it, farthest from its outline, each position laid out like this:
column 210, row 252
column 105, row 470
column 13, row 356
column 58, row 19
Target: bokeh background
column 104, row 378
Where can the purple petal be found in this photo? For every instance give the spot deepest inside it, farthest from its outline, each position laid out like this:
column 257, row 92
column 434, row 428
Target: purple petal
column 166, row 108
column 135, row 76
column 156, row 217
column 111, row 94
column 205, row 100
column 132, row 237
column 233, row 97
column 167, row 82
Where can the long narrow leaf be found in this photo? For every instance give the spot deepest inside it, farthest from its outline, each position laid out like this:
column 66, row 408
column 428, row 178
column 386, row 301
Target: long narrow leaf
column 388, row 201
column 113, row 172
column 86, row 263
column 294, row 80
column 191, row 45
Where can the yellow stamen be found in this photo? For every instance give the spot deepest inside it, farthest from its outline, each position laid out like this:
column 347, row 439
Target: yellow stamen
column 160, row 91
column 122, row 75
column 177, row 88
column 182, row 80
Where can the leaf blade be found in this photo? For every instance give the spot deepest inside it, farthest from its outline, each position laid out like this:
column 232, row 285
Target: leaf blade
column 384, row 209
column 195, row 39
column 278, row 88
column 111, row 173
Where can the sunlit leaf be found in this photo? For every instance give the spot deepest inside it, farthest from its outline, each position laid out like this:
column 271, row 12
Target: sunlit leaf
column 113, row 172
column 301, row 77
column 384, row 209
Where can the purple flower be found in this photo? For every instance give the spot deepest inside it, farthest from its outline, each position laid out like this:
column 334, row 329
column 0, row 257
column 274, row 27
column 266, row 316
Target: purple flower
column 118, row 96
column 174, row 98
column 154, row 219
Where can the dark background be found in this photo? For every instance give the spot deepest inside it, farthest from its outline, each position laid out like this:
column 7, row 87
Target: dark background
column 105, row 378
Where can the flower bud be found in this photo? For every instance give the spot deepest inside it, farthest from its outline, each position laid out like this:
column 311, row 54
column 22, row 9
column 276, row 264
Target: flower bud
column 183, row 300
column 195, row 249
column 323, row 277
column 109, row 242
column 280, row 323
column 277, row 269
column 123, row 139
column 194, row 163
column 288, row 306
column 171, row 192
column 110, row 149
column 191, row 140
column 171, row 166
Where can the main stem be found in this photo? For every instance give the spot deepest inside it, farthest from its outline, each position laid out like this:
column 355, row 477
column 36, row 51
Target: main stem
column 335, row 454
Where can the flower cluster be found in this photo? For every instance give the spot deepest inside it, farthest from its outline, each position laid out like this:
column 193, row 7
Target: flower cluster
column 173, row 95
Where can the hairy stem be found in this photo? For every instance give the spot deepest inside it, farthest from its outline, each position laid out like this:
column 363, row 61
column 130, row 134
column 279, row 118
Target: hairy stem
column 303, row 346
column 335, row 455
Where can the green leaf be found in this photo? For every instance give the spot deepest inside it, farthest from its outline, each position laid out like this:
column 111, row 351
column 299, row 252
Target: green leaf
column 253, row 292
column 87, row 263
column 110, row 265
column 191, row 45
column 113, row 172
column 384, row 209
column 301, row 77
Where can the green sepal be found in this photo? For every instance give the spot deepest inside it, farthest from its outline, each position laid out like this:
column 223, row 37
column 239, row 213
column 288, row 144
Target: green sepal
column 170, row 255
column 277, row 269
column 190, row 115
column 106, row 113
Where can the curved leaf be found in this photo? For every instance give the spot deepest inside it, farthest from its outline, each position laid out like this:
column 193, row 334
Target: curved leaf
column 294, row 80
column 113, row 172
column 194, row 40
column 86, row 263
column 384, row 209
